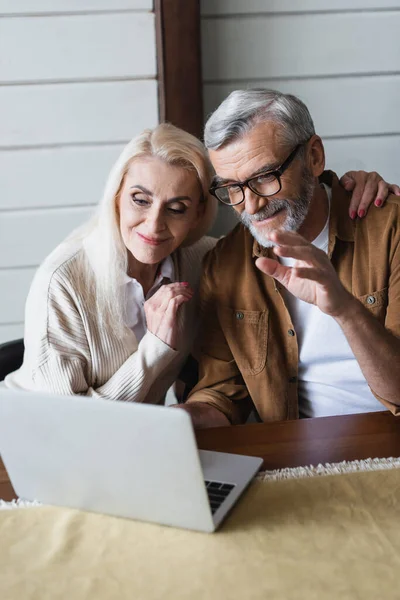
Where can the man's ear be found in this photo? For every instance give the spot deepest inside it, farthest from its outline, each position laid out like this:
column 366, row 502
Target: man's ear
column 316, row 155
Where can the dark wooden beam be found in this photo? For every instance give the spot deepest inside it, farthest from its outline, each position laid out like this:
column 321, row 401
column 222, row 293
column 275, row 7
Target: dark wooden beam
column 180, row 96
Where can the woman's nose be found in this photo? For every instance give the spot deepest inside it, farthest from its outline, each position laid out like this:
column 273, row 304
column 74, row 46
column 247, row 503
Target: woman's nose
column 155, row 220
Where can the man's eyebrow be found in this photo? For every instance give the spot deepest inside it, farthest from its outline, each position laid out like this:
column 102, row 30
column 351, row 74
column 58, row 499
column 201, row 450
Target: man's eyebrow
column 264, row 169
column 149, row 193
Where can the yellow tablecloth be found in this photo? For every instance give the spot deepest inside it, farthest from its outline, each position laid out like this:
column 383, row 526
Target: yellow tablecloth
column 335, row 537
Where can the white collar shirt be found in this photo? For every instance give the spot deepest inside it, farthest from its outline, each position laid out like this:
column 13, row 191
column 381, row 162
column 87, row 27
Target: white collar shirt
column 135, row 299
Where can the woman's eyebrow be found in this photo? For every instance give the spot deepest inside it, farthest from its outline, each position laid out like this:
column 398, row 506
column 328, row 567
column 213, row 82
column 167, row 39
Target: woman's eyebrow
column 143, row 189
column 177, row 198
column 149, row 193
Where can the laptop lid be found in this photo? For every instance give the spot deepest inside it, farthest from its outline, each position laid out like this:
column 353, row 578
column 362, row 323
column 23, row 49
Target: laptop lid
column 125, row 459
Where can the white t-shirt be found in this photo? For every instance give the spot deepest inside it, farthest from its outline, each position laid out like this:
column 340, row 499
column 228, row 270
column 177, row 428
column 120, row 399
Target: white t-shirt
column 330, row 381
column 135, row 317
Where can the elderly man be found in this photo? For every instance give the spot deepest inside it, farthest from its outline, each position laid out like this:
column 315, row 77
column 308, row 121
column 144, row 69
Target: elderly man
column 301, row 303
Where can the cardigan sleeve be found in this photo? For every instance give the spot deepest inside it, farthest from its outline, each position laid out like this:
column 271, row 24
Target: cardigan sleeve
column 65, row 341
column 66, row 375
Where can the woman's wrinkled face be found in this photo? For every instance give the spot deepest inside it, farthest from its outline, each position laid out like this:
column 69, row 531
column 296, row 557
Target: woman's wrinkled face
column 159, row 204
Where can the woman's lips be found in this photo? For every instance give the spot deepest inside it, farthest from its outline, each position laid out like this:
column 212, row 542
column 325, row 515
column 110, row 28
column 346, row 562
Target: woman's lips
column 151, row 241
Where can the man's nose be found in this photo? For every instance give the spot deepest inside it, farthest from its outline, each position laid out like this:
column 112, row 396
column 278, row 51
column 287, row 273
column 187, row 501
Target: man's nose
column 252, row 202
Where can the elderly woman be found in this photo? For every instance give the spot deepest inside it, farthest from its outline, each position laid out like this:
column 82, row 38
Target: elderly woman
column 112, row 312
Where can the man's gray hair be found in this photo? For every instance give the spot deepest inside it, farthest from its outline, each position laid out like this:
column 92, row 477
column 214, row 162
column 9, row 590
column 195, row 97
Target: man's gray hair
column 243, row 109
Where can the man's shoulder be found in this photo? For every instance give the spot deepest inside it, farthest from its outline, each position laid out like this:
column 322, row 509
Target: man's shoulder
column 393, row 201
column 232, row 249
column 379, row 221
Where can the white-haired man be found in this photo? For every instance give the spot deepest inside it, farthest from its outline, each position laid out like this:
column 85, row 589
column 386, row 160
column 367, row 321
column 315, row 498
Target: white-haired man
column 301, row 303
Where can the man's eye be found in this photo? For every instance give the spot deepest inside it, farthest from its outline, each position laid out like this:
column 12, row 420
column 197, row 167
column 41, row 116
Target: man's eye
column 234, row 189
column 267, row 178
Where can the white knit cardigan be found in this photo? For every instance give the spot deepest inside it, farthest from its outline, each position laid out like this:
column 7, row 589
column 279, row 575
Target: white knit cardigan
column 67, row 351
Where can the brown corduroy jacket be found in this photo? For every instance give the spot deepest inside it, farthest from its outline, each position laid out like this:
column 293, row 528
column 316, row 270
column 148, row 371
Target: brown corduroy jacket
column 249, row 350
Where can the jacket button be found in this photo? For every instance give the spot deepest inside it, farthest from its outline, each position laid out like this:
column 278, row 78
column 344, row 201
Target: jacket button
column 293, row 379
column 291, row 332
column 371, row 300
column 239, row 315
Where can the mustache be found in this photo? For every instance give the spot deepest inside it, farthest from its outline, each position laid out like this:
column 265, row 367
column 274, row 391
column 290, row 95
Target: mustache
column 273, row 206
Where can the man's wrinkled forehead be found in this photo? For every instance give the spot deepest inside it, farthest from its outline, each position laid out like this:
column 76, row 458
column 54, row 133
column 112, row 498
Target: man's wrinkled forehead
column 261, row 148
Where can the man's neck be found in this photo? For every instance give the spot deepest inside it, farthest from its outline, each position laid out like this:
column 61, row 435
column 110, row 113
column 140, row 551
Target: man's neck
column 317, row 215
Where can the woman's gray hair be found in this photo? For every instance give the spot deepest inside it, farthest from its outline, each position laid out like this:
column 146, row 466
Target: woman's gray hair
column 243, row 109
column 105, row 260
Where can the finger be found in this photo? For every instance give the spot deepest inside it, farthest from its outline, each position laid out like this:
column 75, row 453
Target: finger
column 360, row 178
column 159, row 301
column 289, row 238
column 382, row 193
column 274, row 269
column 309, row 254
column 347, row 181
column 169, row 290
column 311, row 274
column 369, row 194
column 169, row 313
column 172, row 309
column 394, row 189
column 172, row 294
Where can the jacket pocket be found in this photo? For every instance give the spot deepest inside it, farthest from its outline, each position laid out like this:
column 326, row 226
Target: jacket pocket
column 376, row 302
column 246, row 332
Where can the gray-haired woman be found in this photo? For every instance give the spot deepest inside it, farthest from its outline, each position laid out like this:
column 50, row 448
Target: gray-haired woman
column 112, row 312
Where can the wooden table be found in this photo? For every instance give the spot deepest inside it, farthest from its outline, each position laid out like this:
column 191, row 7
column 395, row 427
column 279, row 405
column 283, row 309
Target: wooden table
column 296, row 443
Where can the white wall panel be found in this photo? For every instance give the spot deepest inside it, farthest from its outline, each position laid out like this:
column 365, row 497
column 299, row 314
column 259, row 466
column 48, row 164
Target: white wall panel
column 380, row 154
column 74, row 113
column 27, row 237
column 54, row 177
column 77, row 81
column 11, row 332
column 338, row 106
column 77, row 47
column 300, row 45
column 57, row 6
column 234, row 7
column 14, row 286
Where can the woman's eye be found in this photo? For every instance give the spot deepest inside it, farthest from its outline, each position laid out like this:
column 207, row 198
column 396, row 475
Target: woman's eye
column 177, row 209
column 140, row 200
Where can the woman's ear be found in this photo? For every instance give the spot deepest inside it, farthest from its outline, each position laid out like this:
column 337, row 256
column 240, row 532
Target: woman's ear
column 316, row 155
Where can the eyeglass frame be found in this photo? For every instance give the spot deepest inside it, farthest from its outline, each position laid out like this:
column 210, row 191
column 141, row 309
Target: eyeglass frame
column 243, row 184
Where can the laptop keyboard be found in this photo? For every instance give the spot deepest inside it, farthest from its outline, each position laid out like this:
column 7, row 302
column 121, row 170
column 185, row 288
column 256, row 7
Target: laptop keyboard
column 217, row 492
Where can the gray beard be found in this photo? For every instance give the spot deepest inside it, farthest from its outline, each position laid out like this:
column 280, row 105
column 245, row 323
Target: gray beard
column 296, row 211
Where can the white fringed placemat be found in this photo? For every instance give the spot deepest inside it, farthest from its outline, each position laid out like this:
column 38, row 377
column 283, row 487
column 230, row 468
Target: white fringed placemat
column 370, row 464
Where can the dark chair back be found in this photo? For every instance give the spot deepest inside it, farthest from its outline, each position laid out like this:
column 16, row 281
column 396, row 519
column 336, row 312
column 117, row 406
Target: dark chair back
column 11, row 357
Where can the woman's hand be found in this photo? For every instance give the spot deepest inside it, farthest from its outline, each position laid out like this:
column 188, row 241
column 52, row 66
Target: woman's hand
column 161, row 311
column 367, row 188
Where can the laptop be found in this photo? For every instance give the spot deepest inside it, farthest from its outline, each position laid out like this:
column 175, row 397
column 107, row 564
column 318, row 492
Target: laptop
column 131, row 460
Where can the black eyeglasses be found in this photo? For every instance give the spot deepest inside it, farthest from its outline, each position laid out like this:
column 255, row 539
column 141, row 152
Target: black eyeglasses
column 264, row 184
